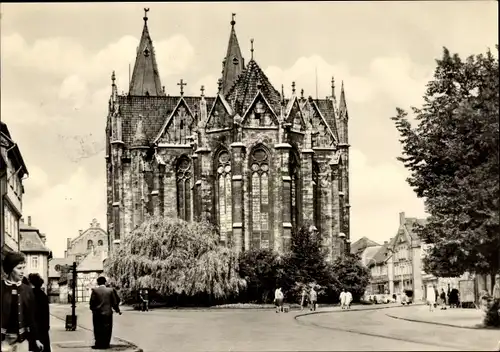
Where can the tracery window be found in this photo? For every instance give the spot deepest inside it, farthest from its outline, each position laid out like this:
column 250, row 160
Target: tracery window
column 260, row 196
column 295, row 188
column 183, row 173
column 316, row 195
column 224, row 194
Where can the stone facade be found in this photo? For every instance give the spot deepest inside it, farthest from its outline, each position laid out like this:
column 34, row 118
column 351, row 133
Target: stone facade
column 93, row 238
column 250, row 160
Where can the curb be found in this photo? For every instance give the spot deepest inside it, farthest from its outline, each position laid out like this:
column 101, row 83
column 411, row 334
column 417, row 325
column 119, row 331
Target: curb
column 353, row 310
column 441, row 324
column 133, row 347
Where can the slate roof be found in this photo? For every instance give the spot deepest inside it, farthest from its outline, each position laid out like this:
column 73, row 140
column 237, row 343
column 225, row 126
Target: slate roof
column 362, row 244
column 232, row 69
column 94, row 261
column 31, row 242
column 244, row 90
column 145, row 77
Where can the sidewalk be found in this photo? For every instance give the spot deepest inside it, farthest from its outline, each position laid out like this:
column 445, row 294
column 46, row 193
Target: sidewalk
column 357, row 307
column 456, row 317
column 80, row 340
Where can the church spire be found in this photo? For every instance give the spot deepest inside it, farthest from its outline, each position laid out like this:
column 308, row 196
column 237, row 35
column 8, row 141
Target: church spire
column 145, row 77
column 234, row 63
column 342, row 104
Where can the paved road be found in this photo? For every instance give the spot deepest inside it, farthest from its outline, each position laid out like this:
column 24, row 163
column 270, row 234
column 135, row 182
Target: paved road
column 263, row 330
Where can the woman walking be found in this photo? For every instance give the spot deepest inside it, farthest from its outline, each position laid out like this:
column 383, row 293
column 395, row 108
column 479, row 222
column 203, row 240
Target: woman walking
column 431, row 297
column 278, row 299
column 42, row 314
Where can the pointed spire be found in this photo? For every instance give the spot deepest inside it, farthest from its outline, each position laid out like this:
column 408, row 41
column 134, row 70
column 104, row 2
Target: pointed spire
column 333, row 89
column 282, row 94
column 293, row 88
column 251, row 48
column 145, row 77
column 233, row 63
column 342, row 104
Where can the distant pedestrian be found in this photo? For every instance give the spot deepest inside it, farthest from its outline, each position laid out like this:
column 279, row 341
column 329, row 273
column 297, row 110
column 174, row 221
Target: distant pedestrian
column 303, row 298
column 278, row 299
column 145, row 300
column 42, row 313
column 348, row 299
column 313, row 297
column 103, row 301
column 431, row 297
column 343, row 298
column 442, row 299
column 19, row 330
column 453, row 300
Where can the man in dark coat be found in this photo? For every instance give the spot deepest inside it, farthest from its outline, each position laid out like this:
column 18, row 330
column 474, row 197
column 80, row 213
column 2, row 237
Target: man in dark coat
column 18, row 307
column 103, row 301
column 42, row 312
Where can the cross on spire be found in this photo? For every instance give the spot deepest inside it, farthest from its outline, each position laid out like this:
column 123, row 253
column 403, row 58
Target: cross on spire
column 302, row 93
column 113, row 78
column 182, row 84
column 219, row 85
column 333, row 87
column 233, row 22
column 145, row 18
column 251, row 47
column 202, row 91
column 293, row 87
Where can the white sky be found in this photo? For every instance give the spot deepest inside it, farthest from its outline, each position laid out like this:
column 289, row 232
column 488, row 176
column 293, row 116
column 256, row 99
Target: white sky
column 56, row 63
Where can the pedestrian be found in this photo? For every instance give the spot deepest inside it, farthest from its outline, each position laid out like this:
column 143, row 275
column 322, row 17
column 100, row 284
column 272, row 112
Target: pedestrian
column 103, row 301
column 442, row 299
column 303, row 298
column 313, row 297
column 19, row 330
column 145, row 301
column 42, row 313
column 278, row 299
column 348, row 299
column 431, row 297
column 342, row 299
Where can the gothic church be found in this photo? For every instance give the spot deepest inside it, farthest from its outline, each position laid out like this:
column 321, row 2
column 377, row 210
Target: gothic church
column 252, row 161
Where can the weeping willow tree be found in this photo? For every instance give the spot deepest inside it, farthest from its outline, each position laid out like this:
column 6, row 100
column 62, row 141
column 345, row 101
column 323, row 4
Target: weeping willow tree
column 173, row 256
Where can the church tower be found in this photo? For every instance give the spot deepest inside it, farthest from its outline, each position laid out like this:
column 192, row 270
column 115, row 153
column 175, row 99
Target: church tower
column 253, row 162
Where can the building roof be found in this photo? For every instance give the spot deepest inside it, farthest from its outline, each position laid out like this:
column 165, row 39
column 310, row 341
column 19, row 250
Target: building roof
column 31, row 242
column 369, row 253
column 54, row 262
column 234, row 63
column 94, row 261
column 14, row 153
column 245, row 89
column 145, row 77
column 343, row 114
column 362, row 244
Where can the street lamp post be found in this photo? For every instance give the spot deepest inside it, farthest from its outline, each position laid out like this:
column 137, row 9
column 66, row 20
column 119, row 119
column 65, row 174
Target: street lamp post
column 71, row 319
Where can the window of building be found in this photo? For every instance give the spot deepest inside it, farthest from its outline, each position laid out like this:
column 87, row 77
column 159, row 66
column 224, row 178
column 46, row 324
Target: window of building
column 294, row 188
column 183, row 173
column 57, row 268
column 99, row 243
column 224, row 194
column 260, row 196
column 317, row 197
column 90, row 244
column 34, row 262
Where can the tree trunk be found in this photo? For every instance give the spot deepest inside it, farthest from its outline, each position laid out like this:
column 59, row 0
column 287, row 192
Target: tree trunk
column 492, row 280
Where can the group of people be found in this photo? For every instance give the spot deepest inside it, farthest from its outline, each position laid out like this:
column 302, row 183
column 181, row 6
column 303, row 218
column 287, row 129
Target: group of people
column 309, row 298
column 442, row 299
column 345, row 299
column 25, row 308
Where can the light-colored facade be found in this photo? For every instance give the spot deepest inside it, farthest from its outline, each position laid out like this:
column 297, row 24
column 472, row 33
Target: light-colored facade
column 32, row 244
column 88, row 271
column 53, row 288
column 13, row 172
column 86, row 242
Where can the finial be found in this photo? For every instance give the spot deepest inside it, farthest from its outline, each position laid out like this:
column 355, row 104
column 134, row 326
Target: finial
column 282, row 92
column 145, row 18
column 113, row 78
column 302, row 93
column 182, row 84
column 163, row 89
column 333, row 87
column 293, row 87
column 219, row 84
column 202, row 91
column 251, row 47
column 233, row 22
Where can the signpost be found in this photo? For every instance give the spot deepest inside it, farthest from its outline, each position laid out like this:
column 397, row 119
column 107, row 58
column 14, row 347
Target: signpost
column 71, row 319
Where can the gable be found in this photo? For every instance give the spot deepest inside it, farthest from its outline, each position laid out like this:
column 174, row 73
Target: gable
column 322, row 135
column 295, row 117
column 260, row 114
column 179, row 126
column 219, row 116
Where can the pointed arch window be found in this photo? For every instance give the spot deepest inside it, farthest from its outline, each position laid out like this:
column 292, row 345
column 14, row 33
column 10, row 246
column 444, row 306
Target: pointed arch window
column 294, row 188
column 316, row 195
column 90, row 244
column 224, row 195
column 260, row 196
column 184, row 173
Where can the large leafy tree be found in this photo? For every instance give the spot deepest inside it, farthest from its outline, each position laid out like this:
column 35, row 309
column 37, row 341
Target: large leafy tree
column 172, row 256
column 352, row 275
column 453, row 157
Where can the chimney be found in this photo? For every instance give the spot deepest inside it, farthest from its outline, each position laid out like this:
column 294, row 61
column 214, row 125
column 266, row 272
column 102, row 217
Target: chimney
column 402, row 218
column 68, row 243
column 29, row 220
